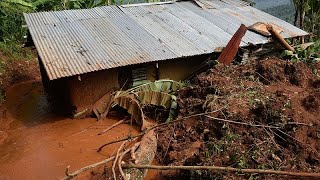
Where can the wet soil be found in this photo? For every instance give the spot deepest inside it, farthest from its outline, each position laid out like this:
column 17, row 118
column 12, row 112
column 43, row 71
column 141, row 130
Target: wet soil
column 270, row 92
column 38, row 144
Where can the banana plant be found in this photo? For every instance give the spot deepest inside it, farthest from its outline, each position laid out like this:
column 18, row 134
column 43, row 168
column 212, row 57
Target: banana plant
column 159, row 93
column 21, row 3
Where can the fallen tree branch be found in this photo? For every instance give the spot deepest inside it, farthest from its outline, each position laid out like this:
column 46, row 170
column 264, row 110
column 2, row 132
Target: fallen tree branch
column 74, row 174
column 144, row 155
column 119, row 164
column 299, row 123
column 219, row 168
column 242, row 123
column 116, row 159
column 132, row 150
column 111, row 127
column 303, row 144
column 153, row 127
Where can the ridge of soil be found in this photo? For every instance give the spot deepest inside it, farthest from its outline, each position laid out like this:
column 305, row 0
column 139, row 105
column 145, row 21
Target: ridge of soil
column 270, row 92
column 17, row 70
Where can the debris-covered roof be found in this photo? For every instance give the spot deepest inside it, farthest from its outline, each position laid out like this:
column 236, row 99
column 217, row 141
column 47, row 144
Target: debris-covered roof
column 74, row 42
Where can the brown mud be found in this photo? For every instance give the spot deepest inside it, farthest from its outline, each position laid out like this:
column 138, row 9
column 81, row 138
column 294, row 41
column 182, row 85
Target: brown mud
column 269, row 92
column 38, row 144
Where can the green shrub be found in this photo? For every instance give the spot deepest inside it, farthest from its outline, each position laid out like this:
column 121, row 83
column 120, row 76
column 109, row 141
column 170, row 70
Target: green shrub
column 308, row 55
column 11, row 19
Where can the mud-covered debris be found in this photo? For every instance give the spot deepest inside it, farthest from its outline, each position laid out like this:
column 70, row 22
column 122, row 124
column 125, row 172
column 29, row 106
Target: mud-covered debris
column 269, row 92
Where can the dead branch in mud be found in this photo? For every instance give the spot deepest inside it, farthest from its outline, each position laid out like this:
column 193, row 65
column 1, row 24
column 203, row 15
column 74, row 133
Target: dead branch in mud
column 85, row 129
column 229, row 169
column 171, row 137
column 266, row 126
column 116, row 159
column 120, row 155
column 119, row 164
column 299, row 123
column 74, row 174
column 304, row 144
column 112, row 126
column 272, row 139
column 144, row 155
column 133, row 149
column 155, row 126
column 242, row 123
column 263, row 77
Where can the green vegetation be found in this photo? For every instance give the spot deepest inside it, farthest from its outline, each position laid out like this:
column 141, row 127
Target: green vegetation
column 11, row 19
column 307, row 16
column 308, row 55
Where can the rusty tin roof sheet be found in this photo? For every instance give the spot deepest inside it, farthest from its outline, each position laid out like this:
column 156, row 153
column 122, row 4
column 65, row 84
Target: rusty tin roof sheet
column 74, row 42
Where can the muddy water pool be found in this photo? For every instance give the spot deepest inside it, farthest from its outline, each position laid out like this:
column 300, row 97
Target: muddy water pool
column 35, row 143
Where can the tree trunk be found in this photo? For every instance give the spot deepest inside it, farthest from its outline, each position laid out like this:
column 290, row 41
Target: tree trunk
column 144, row 156
column 296, row 20
column 302, row 16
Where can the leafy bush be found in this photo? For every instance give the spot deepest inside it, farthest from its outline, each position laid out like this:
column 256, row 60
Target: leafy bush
column 11, row 19
column 308, row 55
column 308, row 16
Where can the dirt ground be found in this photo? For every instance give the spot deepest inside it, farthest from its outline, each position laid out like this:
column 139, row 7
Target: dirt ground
column 268, row 92
column 15, row 70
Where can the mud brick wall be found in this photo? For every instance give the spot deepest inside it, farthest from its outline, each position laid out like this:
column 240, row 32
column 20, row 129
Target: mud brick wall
column 88, row 88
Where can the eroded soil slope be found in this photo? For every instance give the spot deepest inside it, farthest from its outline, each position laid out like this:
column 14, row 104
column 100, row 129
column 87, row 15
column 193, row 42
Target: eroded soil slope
column 281, row 96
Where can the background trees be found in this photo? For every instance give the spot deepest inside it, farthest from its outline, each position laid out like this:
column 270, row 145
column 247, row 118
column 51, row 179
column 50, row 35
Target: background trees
column 307, row 16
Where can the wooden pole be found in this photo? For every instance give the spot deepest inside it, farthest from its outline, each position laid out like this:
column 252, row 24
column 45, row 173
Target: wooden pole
column 230, row 169
column 279, row 38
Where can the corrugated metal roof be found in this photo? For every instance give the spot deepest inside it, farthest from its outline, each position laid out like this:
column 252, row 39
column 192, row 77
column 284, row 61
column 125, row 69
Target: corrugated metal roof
column 74, row 42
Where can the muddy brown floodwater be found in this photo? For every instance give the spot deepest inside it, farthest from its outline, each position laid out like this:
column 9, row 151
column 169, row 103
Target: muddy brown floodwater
column 35, row 143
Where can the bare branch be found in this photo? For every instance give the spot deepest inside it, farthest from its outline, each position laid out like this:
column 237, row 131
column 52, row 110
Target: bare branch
column 112, row 126
column 230, row 169
column 74, row 174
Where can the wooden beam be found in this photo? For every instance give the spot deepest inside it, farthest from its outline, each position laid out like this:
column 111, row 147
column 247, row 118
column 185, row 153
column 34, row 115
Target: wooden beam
column 230, row 51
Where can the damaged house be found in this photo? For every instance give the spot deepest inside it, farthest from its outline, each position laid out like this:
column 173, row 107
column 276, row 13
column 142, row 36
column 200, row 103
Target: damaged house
column 88, row 53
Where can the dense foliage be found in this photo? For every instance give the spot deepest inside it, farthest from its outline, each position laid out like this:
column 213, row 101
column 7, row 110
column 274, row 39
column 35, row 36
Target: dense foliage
column 308, row 16
column 11, row 19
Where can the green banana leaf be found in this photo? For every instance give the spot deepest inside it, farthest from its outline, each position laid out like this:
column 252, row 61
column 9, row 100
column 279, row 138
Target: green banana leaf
column 158, row 93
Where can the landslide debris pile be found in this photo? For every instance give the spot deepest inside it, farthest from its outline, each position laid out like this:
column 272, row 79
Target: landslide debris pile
column 277, row 105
